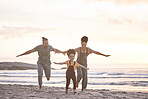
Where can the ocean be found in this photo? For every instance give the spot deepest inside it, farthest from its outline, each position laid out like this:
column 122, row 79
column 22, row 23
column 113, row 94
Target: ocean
column 128, row 79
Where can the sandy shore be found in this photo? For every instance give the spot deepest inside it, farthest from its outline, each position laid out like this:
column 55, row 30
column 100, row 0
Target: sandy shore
column 32, row 92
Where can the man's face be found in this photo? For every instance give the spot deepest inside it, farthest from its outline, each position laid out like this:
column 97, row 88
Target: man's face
column 45, row 43
column 71, row 57
column 84, row 44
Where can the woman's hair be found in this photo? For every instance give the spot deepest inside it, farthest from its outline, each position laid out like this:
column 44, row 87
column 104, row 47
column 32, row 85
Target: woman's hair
column 44, row 39
column 71, row 51
column 84, row 39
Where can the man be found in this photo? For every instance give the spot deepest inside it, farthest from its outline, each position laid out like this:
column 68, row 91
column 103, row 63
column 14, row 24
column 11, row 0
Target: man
column 44, row 59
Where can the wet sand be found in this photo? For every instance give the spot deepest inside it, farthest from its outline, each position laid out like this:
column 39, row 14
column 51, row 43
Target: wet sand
column 15, row 91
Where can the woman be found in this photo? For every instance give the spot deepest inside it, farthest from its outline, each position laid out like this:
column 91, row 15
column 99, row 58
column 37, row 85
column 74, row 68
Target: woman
column 44, row 59
column 83, row 52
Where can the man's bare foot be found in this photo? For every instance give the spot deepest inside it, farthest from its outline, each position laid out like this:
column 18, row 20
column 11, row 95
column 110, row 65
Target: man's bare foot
column 77, row 84
column 48, row 78
column 66, row 91
column 40, row 86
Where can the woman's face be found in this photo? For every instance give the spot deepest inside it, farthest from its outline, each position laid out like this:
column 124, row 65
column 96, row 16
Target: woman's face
column 71, row 57
column 45, row 43
column 83, row 44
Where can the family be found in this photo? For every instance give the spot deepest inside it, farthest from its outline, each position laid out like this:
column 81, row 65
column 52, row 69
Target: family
column 80, row 64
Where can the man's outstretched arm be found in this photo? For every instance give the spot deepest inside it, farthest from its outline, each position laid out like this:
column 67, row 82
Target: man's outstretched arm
column 77, row 50
column 58, row 51
column 27, row 52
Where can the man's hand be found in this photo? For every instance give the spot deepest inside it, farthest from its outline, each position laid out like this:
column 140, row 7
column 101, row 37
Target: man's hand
column 58, row 51
column 18, row 55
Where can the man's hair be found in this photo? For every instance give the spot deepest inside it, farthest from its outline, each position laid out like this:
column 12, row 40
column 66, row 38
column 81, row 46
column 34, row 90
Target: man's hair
column 44, row 39
column 71, row 51
column 84, row 39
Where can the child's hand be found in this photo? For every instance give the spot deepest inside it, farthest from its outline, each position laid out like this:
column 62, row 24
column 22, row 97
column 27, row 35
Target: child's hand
column 87, row 68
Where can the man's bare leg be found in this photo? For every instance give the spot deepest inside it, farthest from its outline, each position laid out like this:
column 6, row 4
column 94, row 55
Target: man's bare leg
column 40, row 86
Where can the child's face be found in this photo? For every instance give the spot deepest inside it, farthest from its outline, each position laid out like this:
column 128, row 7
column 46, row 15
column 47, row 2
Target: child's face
column 71, row 57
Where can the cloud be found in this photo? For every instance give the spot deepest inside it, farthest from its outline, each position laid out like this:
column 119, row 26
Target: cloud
column 130, row 2
column 14, row 31
column 114, row 21
column 121, row 20
column 127, row 20
column 123, row 2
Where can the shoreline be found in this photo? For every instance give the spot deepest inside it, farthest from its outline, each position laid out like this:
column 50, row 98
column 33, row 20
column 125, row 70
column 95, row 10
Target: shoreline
column 17, row 91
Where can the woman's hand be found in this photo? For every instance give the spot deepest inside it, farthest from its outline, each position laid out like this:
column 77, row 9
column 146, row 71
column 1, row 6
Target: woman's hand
column 107, row 55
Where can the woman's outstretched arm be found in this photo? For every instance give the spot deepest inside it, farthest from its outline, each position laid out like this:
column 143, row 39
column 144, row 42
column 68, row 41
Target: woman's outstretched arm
column 98, row 53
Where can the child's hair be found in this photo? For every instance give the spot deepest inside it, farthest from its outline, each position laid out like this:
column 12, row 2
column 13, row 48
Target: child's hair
column 44, row 39
column 71, row 51
column 84, row 39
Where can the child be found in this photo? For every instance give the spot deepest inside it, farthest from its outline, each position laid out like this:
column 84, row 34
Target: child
column 71, row 66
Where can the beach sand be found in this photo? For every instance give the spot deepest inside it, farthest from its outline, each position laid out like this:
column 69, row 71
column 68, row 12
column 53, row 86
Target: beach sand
column 8, row 91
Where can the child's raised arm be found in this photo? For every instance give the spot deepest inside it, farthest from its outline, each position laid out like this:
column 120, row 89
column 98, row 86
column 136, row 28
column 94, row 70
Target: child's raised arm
column 61, row 63
column 84, row 67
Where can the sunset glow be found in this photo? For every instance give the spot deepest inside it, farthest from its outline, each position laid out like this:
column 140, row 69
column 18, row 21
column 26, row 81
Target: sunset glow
column 116, row 27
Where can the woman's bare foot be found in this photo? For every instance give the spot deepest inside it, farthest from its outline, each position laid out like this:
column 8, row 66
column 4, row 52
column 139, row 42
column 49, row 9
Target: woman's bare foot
column 82, row 89
column 66, row 91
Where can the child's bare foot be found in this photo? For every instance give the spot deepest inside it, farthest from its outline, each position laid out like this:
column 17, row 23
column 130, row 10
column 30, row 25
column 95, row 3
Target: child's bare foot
column 66, row 91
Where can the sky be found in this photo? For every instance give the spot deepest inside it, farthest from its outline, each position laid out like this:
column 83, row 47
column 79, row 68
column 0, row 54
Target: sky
column 114, row 27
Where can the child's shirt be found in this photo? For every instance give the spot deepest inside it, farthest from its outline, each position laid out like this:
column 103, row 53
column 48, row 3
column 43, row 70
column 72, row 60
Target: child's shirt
column 74, row 63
